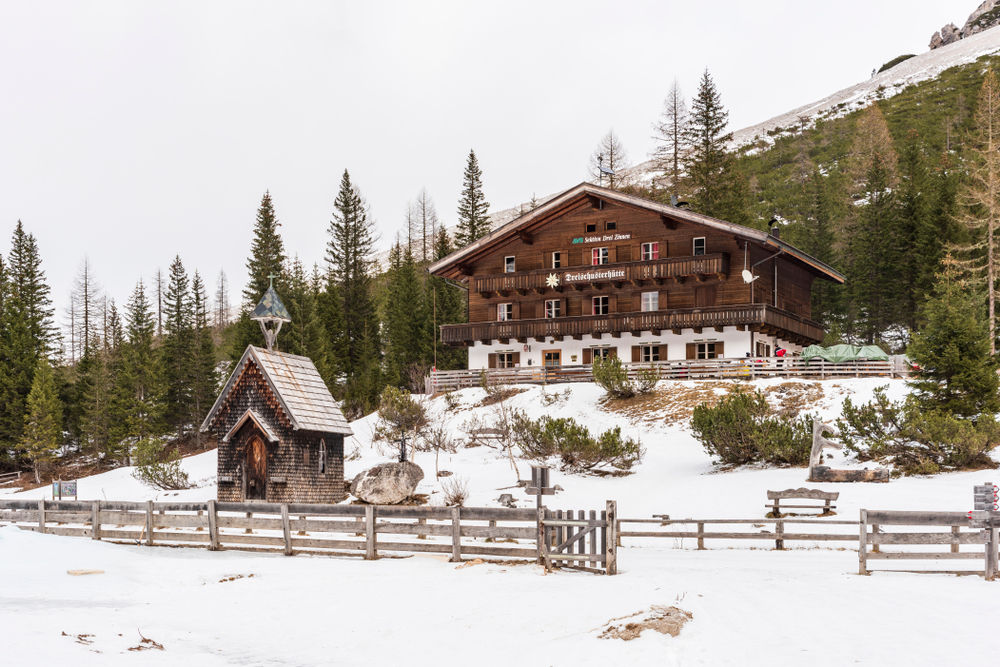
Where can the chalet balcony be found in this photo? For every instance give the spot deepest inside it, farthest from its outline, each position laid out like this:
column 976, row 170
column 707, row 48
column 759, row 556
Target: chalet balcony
column 637, row 273
column 755, row 317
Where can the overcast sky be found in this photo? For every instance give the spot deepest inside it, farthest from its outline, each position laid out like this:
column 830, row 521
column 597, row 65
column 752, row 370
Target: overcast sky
column 136, row 131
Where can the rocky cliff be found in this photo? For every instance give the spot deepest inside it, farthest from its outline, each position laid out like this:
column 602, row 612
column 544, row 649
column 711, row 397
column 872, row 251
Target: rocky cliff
column 986, row 16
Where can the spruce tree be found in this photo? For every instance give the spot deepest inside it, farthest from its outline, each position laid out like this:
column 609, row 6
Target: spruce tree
column 407, row 330
column 267, row 258
column 473, row 218
column 817, row 239
column 178, row 347
column 42, row 433
column 352, row 238
column 957, row 371
column 203, row 378
column 447, row 303
column 707, row 163
column 915, row 209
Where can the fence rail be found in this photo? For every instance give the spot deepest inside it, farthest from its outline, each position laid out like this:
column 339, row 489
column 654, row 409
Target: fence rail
column 9, row 477
column 877, row 537
column 708, row 369
column 360, row 530
column 778, row 535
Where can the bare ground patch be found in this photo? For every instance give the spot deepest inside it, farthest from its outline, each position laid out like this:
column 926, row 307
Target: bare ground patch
column 662, row 619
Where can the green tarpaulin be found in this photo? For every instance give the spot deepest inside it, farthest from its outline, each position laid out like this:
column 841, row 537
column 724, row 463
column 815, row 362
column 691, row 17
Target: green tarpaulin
column 838, row 353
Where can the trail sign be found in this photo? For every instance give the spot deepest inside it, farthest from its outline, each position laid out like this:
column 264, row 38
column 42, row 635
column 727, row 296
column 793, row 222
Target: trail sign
column 62, row 489
column 985, row 497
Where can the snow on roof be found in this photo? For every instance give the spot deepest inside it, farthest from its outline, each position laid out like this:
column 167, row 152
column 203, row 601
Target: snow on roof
column 298, row 387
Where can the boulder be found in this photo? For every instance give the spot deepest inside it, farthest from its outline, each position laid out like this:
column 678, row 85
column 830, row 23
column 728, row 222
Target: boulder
column 388, row 483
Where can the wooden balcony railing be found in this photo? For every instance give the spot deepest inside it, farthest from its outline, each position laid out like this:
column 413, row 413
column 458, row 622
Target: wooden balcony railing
column 760, row 317
column 655, row 271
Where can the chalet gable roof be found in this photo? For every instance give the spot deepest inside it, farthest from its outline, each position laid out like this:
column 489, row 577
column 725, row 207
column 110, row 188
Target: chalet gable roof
column 297, row 386
column 570, row 198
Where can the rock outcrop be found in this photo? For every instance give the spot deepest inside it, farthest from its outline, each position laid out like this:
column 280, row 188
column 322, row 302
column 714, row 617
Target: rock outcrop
column 388, row 483
column 986, row 16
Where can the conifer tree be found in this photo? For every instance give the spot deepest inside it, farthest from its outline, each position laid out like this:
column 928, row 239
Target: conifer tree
column 203, row 378
column 447, row 304
column 304, row 334
column 818, row 240
column 178, row 347
column 427, row 220
column 981, row 197
column 707, row 164
column 331, row 316
column 42, row 433
column 352, row 238
column 267, row 258
column 915, row 209
column 957, row 370
column 407, row 331
column 611, row 155
column 473, row 218
column 670, row 133
column 97, row 402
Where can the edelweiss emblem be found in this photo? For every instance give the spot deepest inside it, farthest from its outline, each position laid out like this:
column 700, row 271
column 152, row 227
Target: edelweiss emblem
column 552, row 281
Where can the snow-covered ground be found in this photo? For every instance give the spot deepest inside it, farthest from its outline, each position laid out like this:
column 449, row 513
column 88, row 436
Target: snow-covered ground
column 750, row 606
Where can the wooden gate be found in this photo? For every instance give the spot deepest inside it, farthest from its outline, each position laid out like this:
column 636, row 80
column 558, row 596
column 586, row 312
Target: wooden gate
column 580, row 540
column 255, row 486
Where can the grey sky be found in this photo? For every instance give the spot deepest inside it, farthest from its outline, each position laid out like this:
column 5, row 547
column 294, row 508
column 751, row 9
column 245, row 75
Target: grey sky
column 135, row 131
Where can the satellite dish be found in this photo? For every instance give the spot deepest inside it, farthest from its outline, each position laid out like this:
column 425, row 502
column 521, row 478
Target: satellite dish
column 749, row 277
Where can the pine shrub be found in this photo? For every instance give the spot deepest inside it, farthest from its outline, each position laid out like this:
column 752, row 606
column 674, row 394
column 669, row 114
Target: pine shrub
column 573, row 444
column 157, row 469
column 612, row 376
column 741, row 428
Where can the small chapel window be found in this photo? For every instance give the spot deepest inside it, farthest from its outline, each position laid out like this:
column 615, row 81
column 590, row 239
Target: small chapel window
column 322, row 456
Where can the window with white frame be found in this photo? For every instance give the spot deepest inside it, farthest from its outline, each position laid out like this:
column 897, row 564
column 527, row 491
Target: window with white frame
column 698, row 246
column 648, row 353
column 706, row 351
column 601, row 306
column 553, row 308
column 505, row 312
column 650, row 251
column 599, row 256
column 556, row 260
column 505, row 360
column 508, row 264
column 650, row 302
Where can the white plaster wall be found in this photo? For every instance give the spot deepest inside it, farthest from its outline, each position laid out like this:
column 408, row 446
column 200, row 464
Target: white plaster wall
column 737, row 345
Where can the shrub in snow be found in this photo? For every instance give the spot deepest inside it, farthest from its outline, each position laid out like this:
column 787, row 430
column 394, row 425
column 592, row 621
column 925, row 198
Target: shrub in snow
column 399, row 414
column 456, row 491
column 742, row 428
column 613, row 377
column 157, row 469
column 915, row 441
column 577, row 450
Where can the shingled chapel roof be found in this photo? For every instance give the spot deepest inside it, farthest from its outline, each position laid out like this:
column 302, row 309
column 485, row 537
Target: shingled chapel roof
column 298, row 387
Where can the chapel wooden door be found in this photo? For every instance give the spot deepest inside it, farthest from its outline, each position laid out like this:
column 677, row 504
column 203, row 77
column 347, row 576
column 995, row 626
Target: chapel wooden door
column 256, row 470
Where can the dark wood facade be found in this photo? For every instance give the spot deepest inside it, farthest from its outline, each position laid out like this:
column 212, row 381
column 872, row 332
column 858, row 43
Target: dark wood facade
column 688, row 265
column 264, row 454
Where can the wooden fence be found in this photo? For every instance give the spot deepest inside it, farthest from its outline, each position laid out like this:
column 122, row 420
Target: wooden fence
column 779, row 535
column 877, row 537
column 359, row 530
column 742, row 368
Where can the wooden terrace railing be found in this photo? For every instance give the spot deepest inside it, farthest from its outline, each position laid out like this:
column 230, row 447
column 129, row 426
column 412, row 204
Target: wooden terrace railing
column 749, row 315
column 653, row 270
column 741, row 368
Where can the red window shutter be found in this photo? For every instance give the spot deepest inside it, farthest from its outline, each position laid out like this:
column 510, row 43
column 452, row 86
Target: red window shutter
column 492, row 363
column 692, row 351
column 636, row 353
column 588, row 356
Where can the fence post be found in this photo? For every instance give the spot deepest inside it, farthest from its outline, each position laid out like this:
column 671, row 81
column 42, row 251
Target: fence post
column 863, row 544
column 95, row 520
column 540, row 535
column 876, row 548
column 41, row 515
column 456, row 534
column 213, row 527
column 779, row 529
column 954, row 544
column 991, row 554
column 286, row 529
column 701, row 537
column 370, row 553
column 149, row 523
column 249, row 530
column 611, row 542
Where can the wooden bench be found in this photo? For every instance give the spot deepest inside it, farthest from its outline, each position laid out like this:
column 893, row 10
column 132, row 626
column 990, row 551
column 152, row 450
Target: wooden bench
column 481, row 436
column 802, row 494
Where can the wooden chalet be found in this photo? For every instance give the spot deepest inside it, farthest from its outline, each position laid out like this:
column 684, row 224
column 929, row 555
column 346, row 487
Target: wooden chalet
column 281, row 434
column 595, row 272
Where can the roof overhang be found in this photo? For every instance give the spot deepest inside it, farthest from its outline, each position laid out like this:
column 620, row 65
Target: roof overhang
column 454, row 265
column 237, row 372
column 258, row 421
